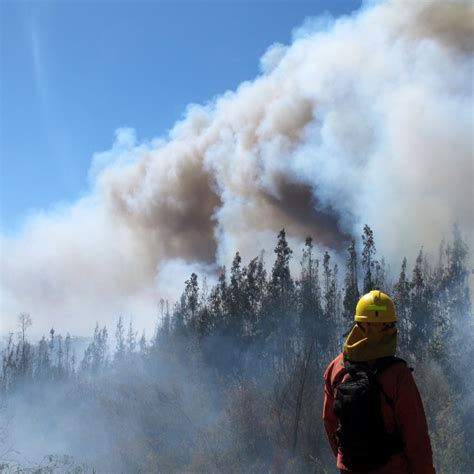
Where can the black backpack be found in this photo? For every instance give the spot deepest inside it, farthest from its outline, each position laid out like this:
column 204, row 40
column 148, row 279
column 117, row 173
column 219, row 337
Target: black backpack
column 361, row 435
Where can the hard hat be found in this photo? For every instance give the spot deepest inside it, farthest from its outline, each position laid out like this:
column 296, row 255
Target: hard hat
column 375, row 307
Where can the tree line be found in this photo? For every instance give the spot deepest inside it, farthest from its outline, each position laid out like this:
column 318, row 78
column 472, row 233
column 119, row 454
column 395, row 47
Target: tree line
column 252, row 349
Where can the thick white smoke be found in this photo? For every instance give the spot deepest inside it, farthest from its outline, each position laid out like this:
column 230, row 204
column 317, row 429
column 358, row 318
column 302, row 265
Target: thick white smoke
column 369, row 120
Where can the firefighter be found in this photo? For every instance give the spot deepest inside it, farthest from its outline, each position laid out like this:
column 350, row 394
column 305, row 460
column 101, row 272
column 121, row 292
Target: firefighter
column 373, row 413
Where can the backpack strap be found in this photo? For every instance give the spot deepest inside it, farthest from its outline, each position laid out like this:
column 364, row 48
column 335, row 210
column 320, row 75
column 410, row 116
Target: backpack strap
column 349, row 368
column 389, row 400
column 340, row 376
column 382, row 364
column 385, row 362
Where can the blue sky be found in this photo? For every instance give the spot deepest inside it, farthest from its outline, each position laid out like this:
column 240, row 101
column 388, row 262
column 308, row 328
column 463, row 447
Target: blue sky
column 74, row 72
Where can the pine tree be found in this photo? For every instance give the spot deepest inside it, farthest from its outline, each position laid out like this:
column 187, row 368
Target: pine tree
column 95, row 356
column 119, row 354
column 142, row 343
column 60, row 356
column 402, row 303
column 309, row 291
column 24, row 321
column 327, row 276
column 131, row 340
column 380, row 276
column 67, row 355
column 178, row 319
column 368, row 252
column 420, row 311
column 205, row 321
column 351, row 292
column 191, row 302
column 457, row 271
column 456, row 276
column 329, row 321
column 51, row 346
column 281, row 283
column 236, row 297
column 25, row 364
column 454, row 318
column 167, row 320
column 9, row 366
column 282, row 292
column 43, row 361
column 218, row 299
column 255, row 296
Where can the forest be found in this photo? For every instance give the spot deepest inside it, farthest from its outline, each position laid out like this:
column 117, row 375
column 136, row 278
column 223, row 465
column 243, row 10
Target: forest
column 231, row 380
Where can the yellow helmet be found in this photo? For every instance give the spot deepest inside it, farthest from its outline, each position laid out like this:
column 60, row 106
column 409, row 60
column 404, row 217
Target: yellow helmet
column 375, row 307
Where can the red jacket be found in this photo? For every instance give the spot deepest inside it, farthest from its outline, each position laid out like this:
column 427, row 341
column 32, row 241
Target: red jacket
column 408, row 417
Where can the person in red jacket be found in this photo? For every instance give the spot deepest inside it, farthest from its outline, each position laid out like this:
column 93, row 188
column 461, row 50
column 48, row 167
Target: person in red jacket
column 372, row 340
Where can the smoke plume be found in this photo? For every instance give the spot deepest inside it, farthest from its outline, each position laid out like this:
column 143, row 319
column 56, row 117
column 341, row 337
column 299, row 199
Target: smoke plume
column 364, row 119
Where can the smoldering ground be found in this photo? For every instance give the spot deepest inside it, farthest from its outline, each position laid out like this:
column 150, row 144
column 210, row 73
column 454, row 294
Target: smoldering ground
column 367, row 120
column 110, row 421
